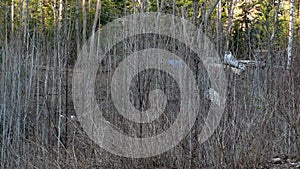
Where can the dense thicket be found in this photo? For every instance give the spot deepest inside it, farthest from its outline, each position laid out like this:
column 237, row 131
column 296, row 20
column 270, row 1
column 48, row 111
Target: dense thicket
column 39, row 43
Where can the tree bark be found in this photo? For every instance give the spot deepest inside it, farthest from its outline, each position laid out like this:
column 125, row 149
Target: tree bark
column 98, row 9
column 208, row 13
column 84, row 21
column 290, row 42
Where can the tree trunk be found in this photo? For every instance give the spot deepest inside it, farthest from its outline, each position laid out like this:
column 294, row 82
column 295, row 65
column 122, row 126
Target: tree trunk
column 98, row 9
column 84, row 21
column 290, row 42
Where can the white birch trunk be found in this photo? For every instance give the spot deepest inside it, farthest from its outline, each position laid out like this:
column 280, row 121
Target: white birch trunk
column 290, row 42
